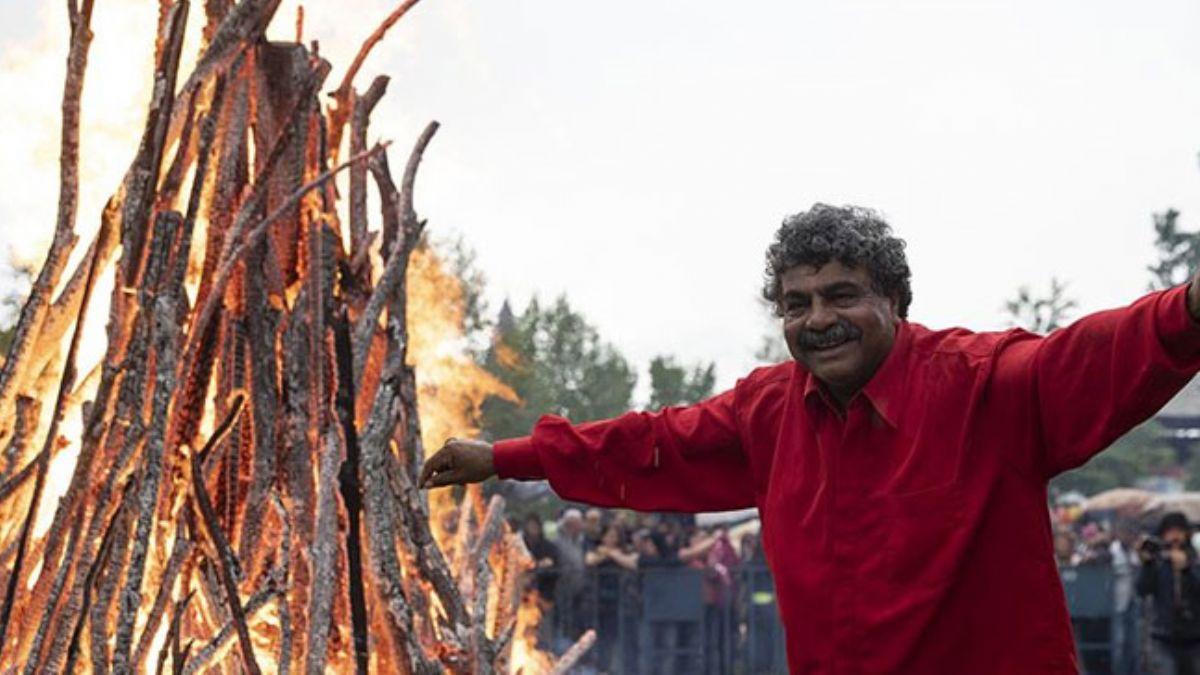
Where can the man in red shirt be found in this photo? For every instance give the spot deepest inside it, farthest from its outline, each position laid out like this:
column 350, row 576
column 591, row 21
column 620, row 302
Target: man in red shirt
column 900, row 472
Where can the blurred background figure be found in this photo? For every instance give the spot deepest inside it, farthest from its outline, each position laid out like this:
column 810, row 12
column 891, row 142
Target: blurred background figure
column 1171, row 579
column 568, row 595
column 608, row 559
column 545, row 557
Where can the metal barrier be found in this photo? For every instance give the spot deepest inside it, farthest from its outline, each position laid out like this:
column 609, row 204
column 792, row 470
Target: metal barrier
column 656, row 621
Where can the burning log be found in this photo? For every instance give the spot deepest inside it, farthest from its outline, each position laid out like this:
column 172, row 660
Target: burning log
column 138, row 532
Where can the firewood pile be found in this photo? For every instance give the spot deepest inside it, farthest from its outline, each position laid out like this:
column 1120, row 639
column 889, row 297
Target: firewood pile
column 230, row 487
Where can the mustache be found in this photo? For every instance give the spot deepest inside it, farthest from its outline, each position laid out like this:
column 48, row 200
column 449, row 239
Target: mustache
column 842, row 331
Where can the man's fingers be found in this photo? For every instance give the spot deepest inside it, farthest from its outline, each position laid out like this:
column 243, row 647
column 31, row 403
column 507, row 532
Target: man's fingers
column 444, row 478
column 444, row 467
column 441, row 461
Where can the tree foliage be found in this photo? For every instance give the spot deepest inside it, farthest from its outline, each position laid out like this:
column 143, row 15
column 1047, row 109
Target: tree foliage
column 462, row 261
column 1137, row 454
column 1178, row 251
column 556, row 363
column 1040, row 313
column 674, row 384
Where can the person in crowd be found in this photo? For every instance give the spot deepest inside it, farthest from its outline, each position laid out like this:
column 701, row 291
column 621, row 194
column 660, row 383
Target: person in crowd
column 569, row 589
column 544, row 554
column 1096, row 545
column 593, row 526
column 699, row 543
column 1125, row 564
column 762, row 626
column 672, row 532
column 1064, row 547
column 720, row 565
column 1171, row 578
column 607, row 561
column 652, row 550
column 749, row 547
column 954, row 435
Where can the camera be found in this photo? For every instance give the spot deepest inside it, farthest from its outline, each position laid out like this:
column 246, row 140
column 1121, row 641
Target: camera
column 1151, row 546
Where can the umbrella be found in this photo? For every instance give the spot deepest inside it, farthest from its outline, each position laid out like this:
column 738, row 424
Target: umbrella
column 1187, row 503
column 1126, row 501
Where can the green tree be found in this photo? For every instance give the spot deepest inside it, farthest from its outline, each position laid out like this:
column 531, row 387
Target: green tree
column 1137, row 454
column 462, row 261
column 1178, row 252
column 674, row 384
column 556, row 363
column 1040, row 314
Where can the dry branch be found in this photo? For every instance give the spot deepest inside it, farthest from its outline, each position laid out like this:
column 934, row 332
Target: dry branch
column 359, row 241
column 341, row 111
column 391, row 283
column 43, row 462
column 287, row 321
column 351, row 490
column 226, row 562
column 47, row 279
column 576, row 652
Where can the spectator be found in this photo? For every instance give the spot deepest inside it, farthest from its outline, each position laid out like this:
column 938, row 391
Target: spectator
column 719, row 589
column 750, row 548
column 1064, row 547
column 545, row 557
column 609, row 559
column 698, row 545
column 570, row 586
column 672, row 533
column 762, row 625
column 1095, row 549
column 593, row 527
column 652, row 550
column 1124, row 621
column 1170, row 576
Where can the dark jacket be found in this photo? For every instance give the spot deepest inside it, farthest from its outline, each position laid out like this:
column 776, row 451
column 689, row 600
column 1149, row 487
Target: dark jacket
column 1176, row 614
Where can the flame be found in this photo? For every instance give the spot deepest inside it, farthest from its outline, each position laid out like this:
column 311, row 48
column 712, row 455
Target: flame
column 526, row 657
column 452, row 387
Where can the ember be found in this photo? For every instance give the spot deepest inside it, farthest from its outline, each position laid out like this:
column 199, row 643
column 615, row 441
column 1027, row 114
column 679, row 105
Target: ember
column 229, row 486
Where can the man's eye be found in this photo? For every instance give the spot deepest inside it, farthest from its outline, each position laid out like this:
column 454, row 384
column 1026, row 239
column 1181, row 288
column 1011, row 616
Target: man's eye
column 844, row 299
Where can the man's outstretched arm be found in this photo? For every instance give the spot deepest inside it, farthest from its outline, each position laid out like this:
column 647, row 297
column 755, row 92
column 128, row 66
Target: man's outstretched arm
column 678, row 459
column 1093, row 381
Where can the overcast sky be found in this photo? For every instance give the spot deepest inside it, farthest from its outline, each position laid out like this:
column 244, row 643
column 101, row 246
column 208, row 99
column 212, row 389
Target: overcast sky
column 638, row 155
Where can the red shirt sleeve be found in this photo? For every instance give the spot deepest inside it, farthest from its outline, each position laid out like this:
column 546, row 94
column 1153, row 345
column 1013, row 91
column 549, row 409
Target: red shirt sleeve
column 516, row 458
column 1093, row 381
column 677, row 459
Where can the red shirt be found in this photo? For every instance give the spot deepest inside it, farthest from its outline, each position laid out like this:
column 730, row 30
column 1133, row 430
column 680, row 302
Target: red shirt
column 911, row 534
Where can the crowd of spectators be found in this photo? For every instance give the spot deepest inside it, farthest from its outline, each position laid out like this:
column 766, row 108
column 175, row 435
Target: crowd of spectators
column 1154, row 578
column 585, row 565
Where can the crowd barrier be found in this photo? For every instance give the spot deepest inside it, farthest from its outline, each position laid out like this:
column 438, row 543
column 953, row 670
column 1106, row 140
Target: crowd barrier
column 656, row 621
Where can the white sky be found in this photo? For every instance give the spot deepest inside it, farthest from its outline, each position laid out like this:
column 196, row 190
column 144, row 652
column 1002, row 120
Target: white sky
column 638, row 155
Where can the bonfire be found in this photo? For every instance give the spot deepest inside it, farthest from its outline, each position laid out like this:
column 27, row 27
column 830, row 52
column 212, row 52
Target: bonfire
column 229, row 486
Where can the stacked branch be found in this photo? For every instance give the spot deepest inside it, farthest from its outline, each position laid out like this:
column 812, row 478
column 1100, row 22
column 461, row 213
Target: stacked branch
column 242, row 494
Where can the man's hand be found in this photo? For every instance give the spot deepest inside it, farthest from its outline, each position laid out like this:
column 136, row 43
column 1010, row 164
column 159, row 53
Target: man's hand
column 458, row 462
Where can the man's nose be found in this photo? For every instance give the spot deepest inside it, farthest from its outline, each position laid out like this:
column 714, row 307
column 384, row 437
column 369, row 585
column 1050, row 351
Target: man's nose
column 821, row 317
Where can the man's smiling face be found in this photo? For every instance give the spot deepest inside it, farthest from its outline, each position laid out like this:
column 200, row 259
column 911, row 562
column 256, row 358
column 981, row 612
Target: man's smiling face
column 836, row 324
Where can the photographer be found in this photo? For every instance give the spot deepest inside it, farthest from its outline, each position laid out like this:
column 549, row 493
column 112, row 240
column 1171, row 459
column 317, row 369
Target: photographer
column 1170, row 575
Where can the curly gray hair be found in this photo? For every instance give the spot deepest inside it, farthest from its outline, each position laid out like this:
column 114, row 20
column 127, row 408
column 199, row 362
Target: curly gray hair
column 852, row 235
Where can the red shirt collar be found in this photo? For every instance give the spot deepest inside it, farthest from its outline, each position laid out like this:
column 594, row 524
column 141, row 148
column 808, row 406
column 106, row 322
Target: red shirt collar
column 884, row 391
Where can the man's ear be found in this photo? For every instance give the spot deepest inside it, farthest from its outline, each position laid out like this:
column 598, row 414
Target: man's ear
column 894, row 303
